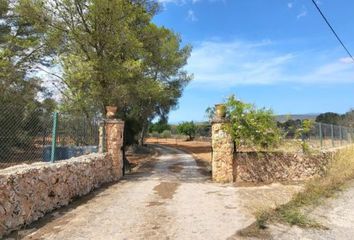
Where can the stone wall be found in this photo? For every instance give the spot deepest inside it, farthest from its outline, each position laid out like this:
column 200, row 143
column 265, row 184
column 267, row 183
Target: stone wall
column 267, row 167
column 27, row 192
column 278, row 166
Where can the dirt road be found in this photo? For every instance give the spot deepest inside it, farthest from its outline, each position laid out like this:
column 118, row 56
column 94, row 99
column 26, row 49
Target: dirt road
column 170, row 198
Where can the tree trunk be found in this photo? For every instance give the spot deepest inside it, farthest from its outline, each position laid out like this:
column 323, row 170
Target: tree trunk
column 142, row 134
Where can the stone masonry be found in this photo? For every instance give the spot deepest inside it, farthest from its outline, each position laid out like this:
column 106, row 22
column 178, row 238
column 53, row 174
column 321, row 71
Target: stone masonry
column 27, row 192
column 114, row 130
column 229, row 166
column 223, row 153
column 267, row 167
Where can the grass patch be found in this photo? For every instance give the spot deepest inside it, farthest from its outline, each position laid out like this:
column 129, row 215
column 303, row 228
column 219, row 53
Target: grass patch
column 339, row 172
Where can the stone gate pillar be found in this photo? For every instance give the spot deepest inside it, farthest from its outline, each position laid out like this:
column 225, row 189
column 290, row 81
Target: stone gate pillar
column 223, row 152
column 114, row 132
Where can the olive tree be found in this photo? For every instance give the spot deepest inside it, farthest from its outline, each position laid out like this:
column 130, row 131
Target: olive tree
column 187, row 128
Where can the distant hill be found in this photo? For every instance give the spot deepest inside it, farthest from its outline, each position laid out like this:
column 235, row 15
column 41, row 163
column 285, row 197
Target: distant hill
column 283, row 118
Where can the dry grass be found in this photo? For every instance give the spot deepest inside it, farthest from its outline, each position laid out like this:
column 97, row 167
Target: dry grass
column 295, row 211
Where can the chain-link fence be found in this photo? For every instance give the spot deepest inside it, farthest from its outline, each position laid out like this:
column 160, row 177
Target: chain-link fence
column 26, row 135
column 321, row 136
column 325, row 136
column 75, row 136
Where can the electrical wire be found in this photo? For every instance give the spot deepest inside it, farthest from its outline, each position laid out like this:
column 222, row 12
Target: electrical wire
column 333, row 31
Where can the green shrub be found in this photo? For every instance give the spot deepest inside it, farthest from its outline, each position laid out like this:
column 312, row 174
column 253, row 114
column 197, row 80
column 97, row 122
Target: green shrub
column 166, row 134
column 250, row 125
column 187, row 128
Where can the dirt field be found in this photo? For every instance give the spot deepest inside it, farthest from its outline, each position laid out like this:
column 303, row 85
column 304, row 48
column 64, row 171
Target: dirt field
column 200, row 150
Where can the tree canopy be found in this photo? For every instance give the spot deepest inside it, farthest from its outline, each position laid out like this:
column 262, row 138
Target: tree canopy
column 20, row 50
column 111, row 53
column 329, row 118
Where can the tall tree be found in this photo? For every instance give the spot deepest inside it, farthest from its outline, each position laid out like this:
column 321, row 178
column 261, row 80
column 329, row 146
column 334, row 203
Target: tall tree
column 20, row 49
column 162, row 67
column 111, row 54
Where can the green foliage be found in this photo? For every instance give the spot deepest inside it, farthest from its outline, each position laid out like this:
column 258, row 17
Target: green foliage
column 306, row 127
column 187, row 128
column 20, row 126
column 159, row 127
column 290, row 127
column 329, row 118
column 155, row 134
column 250, row 125
column 20, row 49
column 303, row 133
column 112, row 54
column 166, row 134
column 348, row 119
column 132, row 128
column 203, row 130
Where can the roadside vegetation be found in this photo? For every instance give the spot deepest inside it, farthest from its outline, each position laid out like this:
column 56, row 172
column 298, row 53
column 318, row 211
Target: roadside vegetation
column 295, row 212
column 249, row 125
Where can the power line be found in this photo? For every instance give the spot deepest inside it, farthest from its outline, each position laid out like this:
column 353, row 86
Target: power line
column 334, row 32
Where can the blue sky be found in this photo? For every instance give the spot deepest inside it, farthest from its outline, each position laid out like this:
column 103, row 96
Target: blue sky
column 273, row 53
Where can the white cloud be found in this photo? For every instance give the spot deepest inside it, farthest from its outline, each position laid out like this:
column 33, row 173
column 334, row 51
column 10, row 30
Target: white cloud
column 347, row 60
column 290, row 5
column 303, row 13
column 191, row 16
column 228, row 64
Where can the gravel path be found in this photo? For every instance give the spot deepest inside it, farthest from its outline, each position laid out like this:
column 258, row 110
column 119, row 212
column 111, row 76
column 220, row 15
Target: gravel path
column 170, row 198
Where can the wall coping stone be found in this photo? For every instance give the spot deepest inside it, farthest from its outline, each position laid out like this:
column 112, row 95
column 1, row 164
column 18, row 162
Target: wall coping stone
column 38, row 165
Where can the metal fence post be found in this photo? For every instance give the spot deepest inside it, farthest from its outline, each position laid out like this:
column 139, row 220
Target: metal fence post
column 321, row 137
column 332, row 135
column 340, row 135
column 54, row 136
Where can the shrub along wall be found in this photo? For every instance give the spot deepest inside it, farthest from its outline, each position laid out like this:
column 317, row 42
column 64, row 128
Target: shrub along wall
column 279, row 166
column 27, row 192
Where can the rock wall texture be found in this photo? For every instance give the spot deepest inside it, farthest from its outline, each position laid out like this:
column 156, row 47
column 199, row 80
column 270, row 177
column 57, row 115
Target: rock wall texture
column 279, row 166
column 228, row 166
column 27, row 192
column 223, row 154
